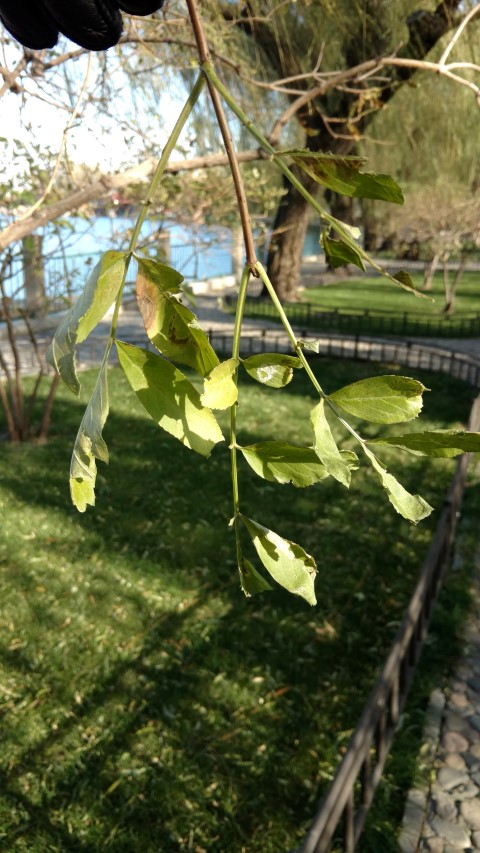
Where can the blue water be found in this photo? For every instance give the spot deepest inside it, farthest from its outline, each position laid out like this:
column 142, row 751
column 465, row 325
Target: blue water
column 196, row 253
column 71, row 248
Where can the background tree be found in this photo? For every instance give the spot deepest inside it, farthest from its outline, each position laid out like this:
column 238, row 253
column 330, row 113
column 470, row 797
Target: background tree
column 308, row 34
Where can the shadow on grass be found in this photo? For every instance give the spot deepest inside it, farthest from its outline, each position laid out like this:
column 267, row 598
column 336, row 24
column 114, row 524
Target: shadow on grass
column 150, row 706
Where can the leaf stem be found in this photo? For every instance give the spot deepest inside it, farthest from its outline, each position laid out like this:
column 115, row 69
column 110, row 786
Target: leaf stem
column 339, row 227
column 157, row 177
column 242, row 203
column 298, row 349
column 286, row 324
column 237, row 333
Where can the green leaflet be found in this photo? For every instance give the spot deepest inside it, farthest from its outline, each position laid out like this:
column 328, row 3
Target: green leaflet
column 169, row 398
column 313, row 346
column 251, row 581
column 405, row 279
column 287, row 562
column 272, row 369
column 381, row 399
column 338, row 253
column 347, row 237
column 221, row 390
column 100, row 292
column 342, row 174
column 285, row 463
column 411, row 507
column 89, row 445
column 440, row 443
column 172, row 328
column 326, row 449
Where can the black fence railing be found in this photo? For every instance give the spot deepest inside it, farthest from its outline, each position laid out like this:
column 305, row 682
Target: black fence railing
column 417, row 356
column 344, row 809
column 372, row 322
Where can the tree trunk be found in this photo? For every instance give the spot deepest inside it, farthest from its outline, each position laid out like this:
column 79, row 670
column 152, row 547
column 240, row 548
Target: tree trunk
column 425, row 29
column 286, row 244
column 452, row 291
column 33, row 273
column 446, row 283
column 430, row 270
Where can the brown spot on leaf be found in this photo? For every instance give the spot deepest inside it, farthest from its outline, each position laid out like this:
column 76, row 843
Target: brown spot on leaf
column 147, row 296
column 173, row 337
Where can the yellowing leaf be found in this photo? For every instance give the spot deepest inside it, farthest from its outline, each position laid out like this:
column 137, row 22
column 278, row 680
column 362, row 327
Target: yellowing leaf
column 325, row 447
column 381, row 399
column 172, row 328
column 89, row 445
column 100, row 292
column 221, row 390
column 251, row 581
column 287, row 562
column 169, row 398
column 445, row 443
column 412, row 507
column 285, row 463
column 272, row 369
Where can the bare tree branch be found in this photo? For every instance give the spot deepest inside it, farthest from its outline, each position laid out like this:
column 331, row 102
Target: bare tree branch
column 103, row 186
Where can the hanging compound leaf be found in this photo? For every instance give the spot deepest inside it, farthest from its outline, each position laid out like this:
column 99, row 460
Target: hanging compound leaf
column 287, row 562
column 285, row 463
column 342, row 175
column 100, row 292
column 338, row 464
column 271, row 368
column 338, row 253
column 381, row 399
column 438, row 443
column 172, row 328
column 169, row 398
column 89, row 445
column 251, row 581
column 411, row 507
column 221, row 390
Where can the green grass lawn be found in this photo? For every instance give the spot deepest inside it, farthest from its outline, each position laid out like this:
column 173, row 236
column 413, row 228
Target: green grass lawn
column 376, row 293
column 391, row 309
column 146, row 704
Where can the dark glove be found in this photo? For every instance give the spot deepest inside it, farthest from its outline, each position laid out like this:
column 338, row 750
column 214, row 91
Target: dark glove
column 93, row 24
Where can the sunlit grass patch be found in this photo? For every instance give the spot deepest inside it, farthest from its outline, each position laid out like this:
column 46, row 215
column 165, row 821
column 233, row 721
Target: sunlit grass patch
column 146, row 704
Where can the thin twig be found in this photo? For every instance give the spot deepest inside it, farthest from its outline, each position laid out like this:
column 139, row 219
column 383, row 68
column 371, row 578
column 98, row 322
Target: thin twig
column 236, row 177
column 41, row 372
column 47, row 410
column 62, row 147
column 204, row 56
column 14, row 383
column 10, row 77
column 198, row 32
column 446, row 53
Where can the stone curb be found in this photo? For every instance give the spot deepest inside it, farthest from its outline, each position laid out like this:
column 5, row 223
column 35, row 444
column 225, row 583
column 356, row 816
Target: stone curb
column 442, row 723
column 417, row 798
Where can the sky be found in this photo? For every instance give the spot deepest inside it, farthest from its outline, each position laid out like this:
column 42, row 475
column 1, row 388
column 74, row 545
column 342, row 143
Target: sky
column 94, row 140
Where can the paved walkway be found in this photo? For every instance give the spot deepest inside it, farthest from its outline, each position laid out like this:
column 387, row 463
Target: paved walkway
column 445, row 818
